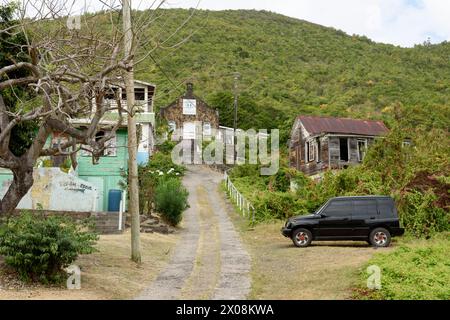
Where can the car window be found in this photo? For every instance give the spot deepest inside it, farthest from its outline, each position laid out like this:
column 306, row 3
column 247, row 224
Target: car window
column 386, row 208
column 321, row 208
column 338, row 208
column 365, row 207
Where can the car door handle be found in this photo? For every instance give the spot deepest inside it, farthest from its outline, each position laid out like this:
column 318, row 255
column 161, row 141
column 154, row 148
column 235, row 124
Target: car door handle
column 372, row 218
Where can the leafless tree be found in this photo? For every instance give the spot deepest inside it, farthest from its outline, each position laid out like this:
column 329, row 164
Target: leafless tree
column 68, row 70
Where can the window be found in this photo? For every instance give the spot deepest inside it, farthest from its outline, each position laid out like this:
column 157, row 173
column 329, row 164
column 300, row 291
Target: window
column 189, row 130
column 386, row 207
column 362, row 149
column 309, row 148
column 311, row 151
column 339, row 208
column 343, row 147
column 110, row 145
column 365, row 207
column 319, row 157
column 306, row 151
column 111, row 94
column 172, row 126
column 207, row 128
column 139, row 94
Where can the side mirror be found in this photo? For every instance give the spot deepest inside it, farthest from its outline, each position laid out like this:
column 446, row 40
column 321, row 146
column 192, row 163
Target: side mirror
column 323, row 215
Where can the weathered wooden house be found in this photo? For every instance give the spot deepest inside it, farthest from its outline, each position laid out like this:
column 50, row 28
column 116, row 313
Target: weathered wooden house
column 321, row 143
column 189, row 116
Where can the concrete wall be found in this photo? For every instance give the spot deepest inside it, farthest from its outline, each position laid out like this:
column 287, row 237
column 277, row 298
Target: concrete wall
column 56, row 190
column 105, row 222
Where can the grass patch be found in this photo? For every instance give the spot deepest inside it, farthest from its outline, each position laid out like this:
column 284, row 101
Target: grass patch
column 108, row 273
column 280, row 271
column 416, row 270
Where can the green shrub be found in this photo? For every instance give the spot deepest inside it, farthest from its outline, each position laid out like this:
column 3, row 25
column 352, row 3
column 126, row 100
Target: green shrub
column 420, row 217
column 415, row 271
column 275, row 205
column 171, row 200
column 163, row 162
column 166, row 147
column 39, row 247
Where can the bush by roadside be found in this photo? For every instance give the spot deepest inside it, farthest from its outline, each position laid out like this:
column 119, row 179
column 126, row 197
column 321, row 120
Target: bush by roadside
column 39, row 247
column 416, row 270
column 171, row 200
column 415, row 176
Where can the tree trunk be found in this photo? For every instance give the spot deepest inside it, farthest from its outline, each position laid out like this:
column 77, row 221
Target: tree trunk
column 133, row 179
column 21, row 184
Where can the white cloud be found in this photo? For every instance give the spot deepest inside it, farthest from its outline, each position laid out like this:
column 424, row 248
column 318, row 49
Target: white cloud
column 400, row 22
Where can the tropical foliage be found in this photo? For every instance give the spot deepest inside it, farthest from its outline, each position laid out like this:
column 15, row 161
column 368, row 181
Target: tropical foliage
column 290, row 67
column 415, row 174
column 39, row 247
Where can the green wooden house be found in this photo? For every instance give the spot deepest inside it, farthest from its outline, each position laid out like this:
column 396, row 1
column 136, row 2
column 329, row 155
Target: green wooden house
column 108, row 173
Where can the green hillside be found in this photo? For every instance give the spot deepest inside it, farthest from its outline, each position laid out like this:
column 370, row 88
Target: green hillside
column 290, row 66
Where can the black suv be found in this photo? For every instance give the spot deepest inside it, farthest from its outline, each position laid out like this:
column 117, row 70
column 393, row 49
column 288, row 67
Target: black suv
column 371, row 218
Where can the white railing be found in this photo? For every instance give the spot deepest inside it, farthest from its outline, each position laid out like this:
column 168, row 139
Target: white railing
column 243, row 205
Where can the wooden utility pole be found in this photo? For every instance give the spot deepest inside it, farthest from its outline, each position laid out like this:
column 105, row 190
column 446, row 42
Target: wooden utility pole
column 133, row 180
column 237, row 75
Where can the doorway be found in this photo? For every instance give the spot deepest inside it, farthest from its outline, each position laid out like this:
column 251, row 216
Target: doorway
column 343, row 148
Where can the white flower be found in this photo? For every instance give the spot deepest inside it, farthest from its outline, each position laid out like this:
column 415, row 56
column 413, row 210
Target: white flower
column 161, row 173
column 177, row 174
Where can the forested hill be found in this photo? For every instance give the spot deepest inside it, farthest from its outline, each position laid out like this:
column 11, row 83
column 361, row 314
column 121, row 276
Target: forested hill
column 290, row 66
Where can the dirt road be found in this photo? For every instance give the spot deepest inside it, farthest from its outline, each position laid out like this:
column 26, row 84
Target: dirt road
column 209, row 261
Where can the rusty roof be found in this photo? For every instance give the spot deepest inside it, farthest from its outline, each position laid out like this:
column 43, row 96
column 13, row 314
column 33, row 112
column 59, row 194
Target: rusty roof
column 318, row 125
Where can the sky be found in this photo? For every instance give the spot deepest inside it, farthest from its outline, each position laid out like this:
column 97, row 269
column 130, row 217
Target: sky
column 399, row 22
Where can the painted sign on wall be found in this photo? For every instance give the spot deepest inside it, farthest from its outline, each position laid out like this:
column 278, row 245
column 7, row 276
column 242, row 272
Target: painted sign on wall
column 189, row 107
column 57, row 190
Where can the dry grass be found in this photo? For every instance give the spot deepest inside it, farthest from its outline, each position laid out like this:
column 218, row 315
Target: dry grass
column 109, row 273
column 280, row 271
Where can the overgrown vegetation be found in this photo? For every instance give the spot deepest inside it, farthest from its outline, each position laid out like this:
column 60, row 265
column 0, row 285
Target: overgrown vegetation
column 39, row 247
column 160, row 185
column 417, row 176
column 290, row 67
column 171, row 200
column 418, row 270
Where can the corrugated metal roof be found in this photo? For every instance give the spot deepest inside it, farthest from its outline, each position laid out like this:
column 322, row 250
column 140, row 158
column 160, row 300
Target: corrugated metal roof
column 317, row 125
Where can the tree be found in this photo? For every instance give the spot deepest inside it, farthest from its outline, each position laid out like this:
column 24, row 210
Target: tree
column 61, row 74
column 56, row 70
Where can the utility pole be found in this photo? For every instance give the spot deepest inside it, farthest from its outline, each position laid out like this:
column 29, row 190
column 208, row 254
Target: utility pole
column 133, row 180
column 237, row 76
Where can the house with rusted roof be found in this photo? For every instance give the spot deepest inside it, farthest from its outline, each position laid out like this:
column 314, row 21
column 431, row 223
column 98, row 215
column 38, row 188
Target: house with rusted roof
column 321, row 143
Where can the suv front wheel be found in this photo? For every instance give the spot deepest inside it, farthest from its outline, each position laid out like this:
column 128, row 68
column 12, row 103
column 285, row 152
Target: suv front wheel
column 302, row 237
column 380, row 237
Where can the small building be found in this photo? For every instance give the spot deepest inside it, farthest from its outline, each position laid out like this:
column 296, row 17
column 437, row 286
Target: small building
column 318, row 144
column 189, row 116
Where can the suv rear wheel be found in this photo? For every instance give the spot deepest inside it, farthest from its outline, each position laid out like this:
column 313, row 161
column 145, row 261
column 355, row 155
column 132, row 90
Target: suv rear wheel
column 380, row 237
column 302, row 237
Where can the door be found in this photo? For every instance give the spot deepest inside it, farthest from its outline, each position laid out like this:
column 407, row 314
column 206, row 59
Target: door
column 336, row 222
column 364, row 212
